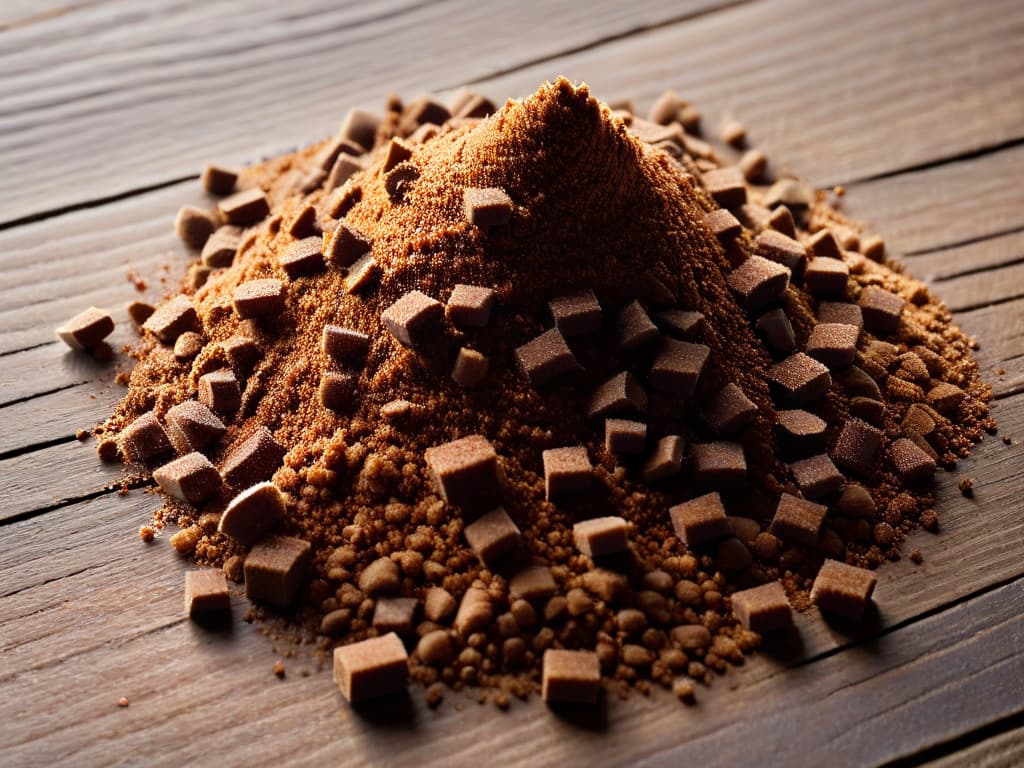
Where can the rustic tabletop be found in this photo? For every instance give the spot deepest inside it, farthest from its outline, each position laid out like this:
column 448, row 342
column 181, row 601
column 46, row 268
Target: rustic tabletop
column 108, row 108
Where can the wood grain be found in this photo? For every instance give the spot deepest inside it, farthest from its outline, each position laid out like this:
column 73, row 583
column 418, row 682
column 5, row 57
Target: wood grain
column 1005, row 750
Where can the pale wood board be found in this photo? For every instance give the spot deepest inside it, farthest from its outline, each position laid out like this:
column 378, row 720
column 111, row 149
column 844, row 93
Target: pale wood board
column 1005, row 750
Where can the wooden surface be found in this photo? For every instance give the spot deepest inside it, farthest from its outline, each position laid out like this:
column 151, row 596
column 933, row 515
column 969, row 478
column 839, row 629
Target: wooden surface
column 109, row 108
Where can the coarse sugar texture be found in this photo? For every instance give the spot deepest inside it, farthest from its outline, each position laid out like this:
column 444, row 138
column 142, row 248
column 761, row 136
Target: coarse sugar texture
column 592, row 208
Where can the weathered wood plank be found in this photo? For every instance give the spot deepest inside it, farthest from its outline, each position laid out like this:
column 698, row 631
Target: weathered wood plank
column 1003, row 751
column 949, row 263
column 58, row 416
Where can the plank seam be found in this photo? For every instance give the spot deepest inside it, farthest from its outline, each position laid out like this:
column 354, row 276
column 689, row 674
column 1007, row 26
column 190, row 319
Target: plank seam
column 973, row 154
column 14, row 453
column 26, row 398
column 959, row 743
column 973, row 240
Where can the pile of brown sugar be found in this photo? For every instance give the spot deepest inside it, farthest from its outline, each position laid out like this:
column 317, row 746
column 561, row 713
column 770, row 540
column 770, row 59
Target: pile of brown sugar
column 731, row 381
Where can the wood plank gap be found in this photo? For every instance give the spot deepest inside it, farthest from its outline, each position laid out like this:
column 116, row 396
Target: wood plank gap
column 938, row 162
column 985, row 304
column 25, row 349
column 26, row 398
column 960, row 743
column 965, row 241
column 22, row 450
column 31, row 514
column 978, row 270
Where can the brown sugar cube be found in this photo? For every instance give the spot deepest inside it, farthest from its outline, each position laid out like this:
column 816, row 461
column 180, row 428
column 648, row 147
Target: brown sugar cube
column 196, row 276
column 438, row 604
column 304, row 225
column 918, row 419
column 566, row 471
column 789, row 192
column 398, row 151
column 823, row 243
column 758, row 281
column 722, row 222
column 753, row 163
column 872, row 411
column 733, row 133
column 344, row 168
column 653, row 293
column 338, row 390
column 346, row 345
column 678, row 367
column 361, row 274
column 859, row 384
column 532, row 583
column 782, row 249
column 470, row 367
column 571, row 677
column 666, row 108
column 577, row 313
column 681, row 323
column 487, row 207
column 172, row 319
column 874, row 248
column 394, row 614
column 144, row 439
column 360, row 126
column 624, row 437
column 727, row 186
column 191, row 426
column 492, row 536
column 303, row 257
column 826, row 277
column 633, row 328
column 86, row 329
column 545, row 357
column 466, row 473
column 601, row 536
column 475, row 612
column 191, row 478
column 622, row 393
column 400, row 180
column 140, row 311
column 817, row 476
column 206, row 591
column 222, row 247
column 840, row 312
column 843, row 589
column 781, row 220
column 797, row 521
column 799, row 379
column 912, row 463
column 380, row 577
column 253, row 513
column 194, row 226
column 800, row 432
column 219, row 391
column 857, row 446
column 729, row 411
column 254, row 459
column 424, row 110
column 777, row 331
column 258, row 298
column 242, row 353
column 470, row 306
column 833, row 344
column 881, row 309
column 763, row 609
column 945, row 397
column 275, row 568
column 245, row 208
column 346, row 246
column 371, row 668
column 666, row 460
column 699, row 520
column 413, row 319
column 218, row 180
column 719, row 465
column 188, row 345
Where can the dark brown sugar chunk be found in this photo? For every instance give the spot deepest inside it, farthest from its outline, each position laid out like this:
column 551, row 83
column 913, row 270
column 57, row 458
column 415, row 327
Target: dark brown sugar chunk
column 466, row 473
column 782, row 249
column 245, row 208
column 912, row 463
column 823, row 243
column 253, row 513
column 191, row 478
column 470, row 367
column 633, row 328
column 144, row 440
column 758, row 281
column 360, row 127
column 344, row 168
column 219, row 391
column 624, row 437
column 857, row 446
column 395, row 614
column 678, row 367
column 259, row 298
column 840, row 312
column 188, row 345
column 781, row 220
column 872, row 411
column 763, row 609
column 361, row 274
column 718, row 465
column 545, row 357
column 338, row 390
column 470, row 306
column 666, row 460
column 86, row 329
column 488, row 207
column 566, row 471
column 727, row 186
column 254, row 459
column 699, row 520
column 371, row 668
column 601, row 536
column 800, row 432
column 799, row 379
column 346, row 345
column 274, row 569
column 346, row 245
column 399, row 181
column 380, row 577
column 817, row 476
column 533, row 583
column 576, row 313
column 798, row 521
column 414, row 318
column 305, row 224
column 172, row 319
column 777, row 331
column 826, row 277
column 493, row 536
column 723, row 223
column 881, row 309
column 191, row 426
column 681, row 323
column 475, row 612
column 140, row 311
column 858, row 383
column 621, row 394
column 843, row 589
column 398, row 151
column 218, row 180
column 729, row 411
column 571, row 677
column 303, row 257
column 834, row 344
column 945, row 397
column 194, row 226
column 222, row 247
column 206, row 592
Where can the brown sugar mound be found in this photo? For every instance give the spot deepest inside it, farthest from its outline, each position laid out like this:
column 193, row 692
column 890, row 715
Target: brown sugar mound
column 634, row 212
